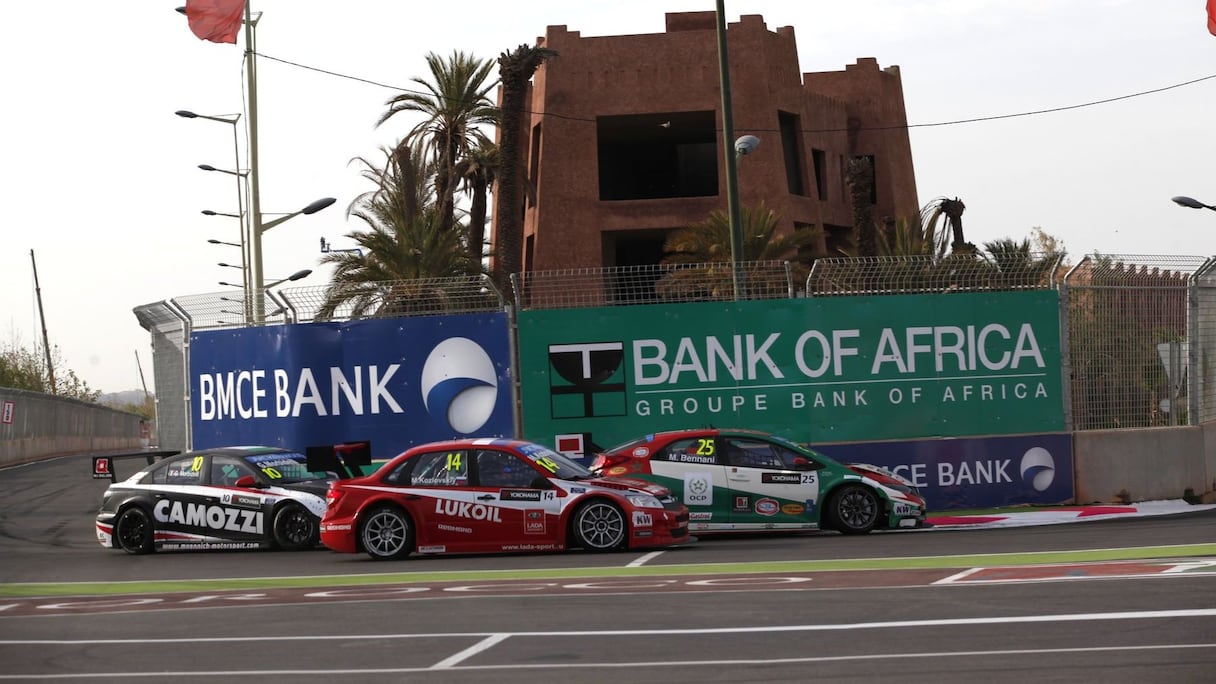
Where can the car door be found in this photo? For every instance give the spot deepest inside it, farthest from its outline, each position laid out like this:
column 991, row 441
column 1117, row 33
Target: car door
column 182, row 506
column 528, row 505
column 451, row 513
column 771, row 486
column 692, row 469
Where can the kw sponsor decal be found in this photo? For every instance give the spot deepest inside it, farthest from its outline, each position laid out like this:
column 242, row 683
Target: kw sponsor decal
column 210, row 517
column 642, row 519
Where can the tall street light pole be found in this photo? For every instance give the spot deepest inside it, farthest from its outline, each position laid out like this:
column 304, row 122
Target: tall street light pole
column 729, row 156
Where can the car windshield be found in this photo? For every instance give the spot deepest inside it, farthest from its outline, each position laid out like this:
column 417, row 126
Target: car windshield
column 561, row 467
column 284, row 467
column 628, row 446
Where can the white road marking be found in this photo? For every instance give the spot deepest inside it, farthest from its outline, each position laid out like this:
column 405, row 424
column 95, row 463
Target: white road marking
column 920, row 655
column 818, row 627
column 644, row 559
column 484, row 644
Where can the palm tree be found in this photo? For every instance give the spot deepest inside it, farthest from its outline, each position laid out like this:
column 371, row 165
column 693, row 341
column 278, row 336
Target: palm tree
column 708, row 242
column 453, row 107
column 515, row 70
column 477, row 172
column 405, row 250
column 1017, row 265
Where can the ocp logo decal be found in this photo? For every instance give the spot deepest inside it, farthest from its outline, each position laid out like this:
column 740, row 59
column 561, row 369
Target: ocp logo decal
column 1038, row 468
column 459, row 385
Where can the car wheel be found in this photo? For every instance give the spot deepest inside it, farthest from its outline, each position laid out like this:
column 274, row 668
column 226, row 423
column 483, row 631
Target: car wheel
column 134, row 531
column 387, row 534
column 295, row 528
column 854, row 509
column 600, row 526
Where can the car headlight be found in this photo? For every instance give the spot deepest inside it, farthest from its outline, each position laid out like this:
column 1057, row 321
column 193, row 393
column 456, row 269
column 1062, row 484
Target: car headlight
column 643, row 501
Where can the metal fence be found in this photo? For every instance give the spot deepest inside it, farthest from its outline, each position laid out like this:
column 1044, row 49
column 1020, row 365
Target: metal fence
column 1139, row 331
column 848, row 276
column 657, row 284
column 1140, row 338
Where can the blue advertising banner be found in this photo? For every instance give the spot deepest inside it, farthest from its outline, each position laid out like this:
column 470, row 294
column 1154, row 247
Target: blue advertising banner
column 396, row 382
column 981, row 472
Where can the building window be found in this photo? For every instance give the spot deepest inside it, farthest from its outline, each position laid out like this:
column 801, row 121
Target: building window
column 820, row 159
column 790, row 146
column 534, row 167
column 657, row 156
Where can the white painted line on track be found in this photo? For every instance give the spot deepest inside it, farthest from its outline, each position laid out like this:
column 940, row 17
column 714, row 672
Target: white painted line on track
column 644, row 559
column 484, row 644
column 920, row 655
column 764, row 629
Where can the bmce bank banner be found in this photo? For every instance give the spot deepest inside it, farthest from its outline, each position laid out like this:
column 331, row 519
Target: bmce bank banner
column 395, row 382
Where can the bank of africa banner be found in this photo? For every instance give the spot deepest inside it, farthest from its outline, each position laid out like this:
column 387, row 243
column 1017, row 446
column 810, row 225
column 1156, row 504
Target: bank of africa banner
column 835, row 369
column 978, row 472
column 396, row 382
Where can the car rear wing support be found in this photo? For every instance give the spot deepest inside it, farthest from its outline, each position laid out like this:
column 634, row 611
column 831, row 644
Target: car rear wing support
column 347, row 459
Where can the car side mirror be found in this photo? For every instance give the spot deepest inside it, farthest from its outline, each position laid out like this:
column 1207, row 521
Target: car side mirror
column 247, row 481
column 540, row 482
column 801, row 463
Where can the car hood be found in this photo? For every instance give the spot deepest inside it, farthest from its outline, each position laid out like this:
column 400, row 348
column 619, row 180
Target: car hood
column 628, row 483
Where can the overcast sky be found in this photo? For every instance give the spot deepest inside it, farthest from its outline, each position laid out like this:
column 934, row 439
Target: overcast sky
column 102, row 181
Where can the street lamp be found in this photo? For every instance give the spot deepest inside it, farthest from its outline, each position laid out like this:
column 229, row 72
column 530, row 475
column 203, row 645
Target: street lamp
column 228, row 265
column 221, row 242
column 256, row 225
column 1191, row 203
column 298, row 275
column 208, row 167
column 732, row 181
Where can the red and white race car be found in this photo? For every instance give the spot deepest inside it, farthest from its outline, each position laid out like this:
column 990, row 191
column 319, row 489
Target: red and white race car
column 495, row 495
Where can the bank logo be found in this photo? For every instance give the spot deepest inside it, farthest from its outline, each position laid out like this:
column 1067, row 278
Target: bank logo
column 459, row 385
column 587, row 380
column 1038, row 468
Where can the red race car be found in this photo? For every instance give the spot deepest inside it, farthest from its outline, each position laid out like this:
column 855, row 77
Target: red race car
column 485, row 495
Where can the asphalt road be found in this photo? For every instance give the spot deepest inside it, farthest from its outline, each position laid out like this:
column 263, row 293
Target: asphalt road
column 772, row 608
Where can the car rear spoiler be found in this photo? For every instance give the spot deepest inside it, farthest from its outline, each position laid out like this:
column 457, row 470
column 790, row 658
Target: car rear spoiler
column 344, row 459
column 103, row 464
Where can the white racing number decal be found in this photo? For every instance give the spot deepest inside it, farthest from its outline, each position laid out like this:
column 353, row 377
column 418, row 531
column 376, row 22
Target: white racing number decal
column 210, row 517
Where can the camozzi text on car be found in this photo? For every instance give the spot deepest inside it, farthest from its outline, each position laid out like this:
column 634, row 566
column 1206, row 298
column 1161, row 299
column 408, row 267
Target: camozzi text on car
column 741, row 480
column 495, row 495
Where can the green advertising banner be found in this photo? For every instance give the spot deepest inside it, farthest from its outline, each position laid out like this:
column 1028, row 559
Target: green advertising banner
column 837, row 369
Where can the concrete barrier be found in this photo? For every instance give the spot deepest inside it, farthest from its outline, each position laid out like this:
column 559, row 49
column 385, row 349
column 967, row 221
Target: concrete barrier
column 1144, row 464
column 35, row 425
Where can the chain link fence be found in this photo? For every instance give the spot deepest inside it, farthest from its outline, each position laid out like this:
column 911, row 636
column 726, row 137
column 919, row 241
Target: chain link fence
column 847, row 276
column 652, row 284
column 1139, row 331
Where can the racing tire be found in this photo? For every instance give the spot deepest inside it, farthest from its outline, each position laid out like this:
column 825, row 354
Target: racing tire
column 295, row 529
column 599, row 526
column 854, row 509
column 387, row 533
column 133, row 531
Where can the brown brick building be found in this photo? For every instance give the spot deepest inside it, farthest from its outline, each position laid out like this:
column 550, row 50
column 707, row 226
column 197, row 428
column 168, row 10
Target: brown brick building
column 625, row 141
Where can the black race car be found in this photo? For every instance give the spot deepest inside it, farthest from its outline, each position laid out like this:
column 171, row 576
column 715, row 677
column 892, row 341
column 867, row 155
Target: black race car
column 222, row 498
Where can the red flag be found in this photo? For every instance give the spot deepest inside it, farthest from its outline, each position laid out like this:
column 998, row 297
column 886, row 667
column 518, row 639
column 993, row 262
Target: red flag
column 1212, row 17
column 215, row 20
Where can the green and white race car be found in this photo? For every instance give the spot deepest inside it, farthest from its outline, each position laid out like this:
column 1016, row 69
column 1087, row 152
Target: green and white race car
column 745, row 480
